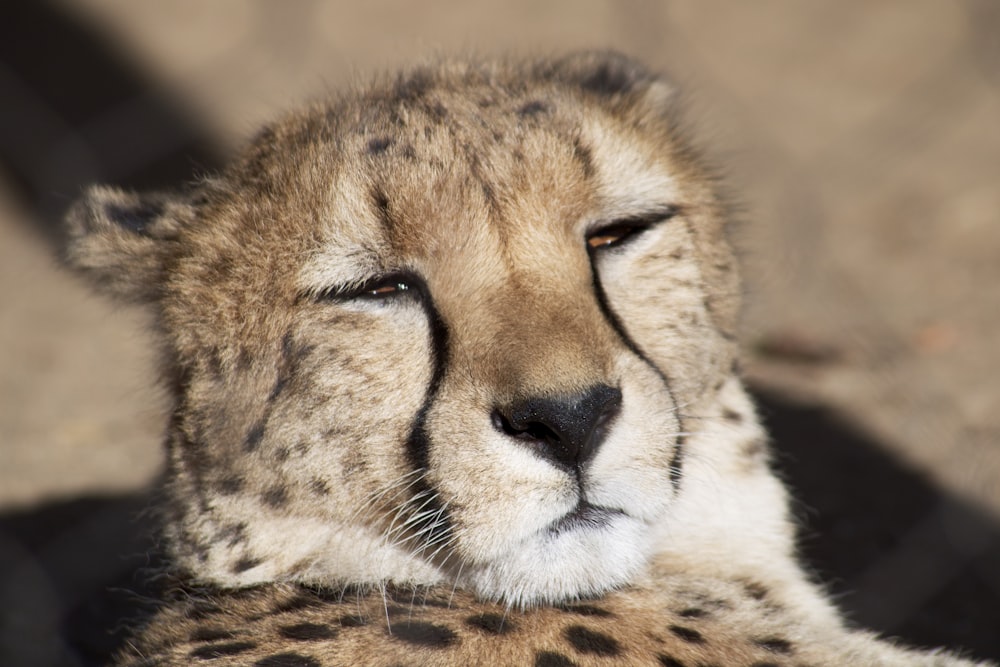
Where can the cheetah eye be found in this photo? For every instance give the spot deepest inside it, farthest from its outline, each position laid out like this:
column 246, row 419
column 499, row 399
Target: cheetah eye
column 376, row 289
column 613, row 235
column 382, row 288
column 622, row 231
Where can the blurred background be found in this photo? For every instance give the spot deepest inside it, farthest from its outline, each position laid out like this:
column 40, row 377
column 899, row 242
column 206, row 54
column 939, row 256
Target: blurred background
column 862, row 138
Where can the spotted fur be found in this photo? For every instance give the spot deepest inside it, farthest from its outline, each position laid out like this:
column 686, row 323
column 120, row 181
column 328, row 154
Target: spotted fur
column 453, row 361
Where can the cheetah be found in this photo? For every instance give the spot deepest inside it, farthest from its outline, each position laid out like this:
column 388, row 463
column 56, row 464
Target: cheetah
column 454, row 380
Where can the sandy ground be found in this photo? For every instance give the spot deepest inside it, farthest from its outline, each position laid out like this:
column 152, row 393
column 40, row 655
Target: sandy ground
column 862, row 138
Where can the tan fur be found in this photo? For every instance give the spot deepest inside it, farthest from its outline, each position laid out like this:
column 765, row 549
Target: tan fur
column 321, row 437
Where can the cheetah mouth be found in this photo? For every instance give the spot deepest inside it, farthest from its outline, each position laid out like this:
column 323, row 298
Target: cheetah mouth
column 585, row 516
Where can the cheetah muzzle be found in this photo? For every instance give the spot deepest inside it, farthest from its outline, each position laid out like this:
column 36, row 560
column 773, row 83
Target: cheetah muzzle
column 448, row 355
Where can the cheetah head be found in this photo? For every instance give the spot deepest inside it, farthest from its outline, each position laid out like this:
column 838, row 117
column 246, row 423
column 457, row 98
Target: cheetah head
column 471, row 324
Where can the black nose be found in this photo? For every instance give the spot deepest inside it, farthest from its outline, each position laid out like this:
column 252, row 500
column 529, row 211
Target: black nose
column 565, row 429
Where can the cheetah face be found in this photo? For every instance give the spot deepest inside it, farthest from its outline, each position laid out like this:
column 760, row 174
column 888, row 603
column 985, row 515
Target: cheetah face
column 457, row 327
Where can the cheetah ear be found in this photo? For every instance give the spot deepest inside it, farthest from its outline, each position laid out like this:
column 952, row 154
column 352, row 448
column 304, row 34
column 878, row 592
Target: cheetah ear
column 615, row 77
column 121, row 240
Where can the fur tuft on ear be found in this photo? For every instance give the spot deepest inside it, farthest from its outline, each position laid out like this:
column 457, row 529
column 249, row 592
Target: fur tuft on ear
column 121, row 240
column 606, row 73
column 615, row 79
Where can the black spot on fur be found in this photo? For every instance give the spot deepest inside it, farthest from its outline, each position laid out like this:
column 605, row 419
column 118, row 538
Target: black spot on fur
column 298, row 603
column 584, row 156
column 244, row 564
column 230, row 484
column 774, row 645
column 410, row 88
column 134, row 218
column 495, row 624
column 586, row 610
column 201, row 609
column 281, row 454
column 319, row 487
column 379, row 145
column 213, row 651
column 693, row 612
column 279, row 386
column 287, row 660
column 591, row 642
column 437, row 111
column 754, row 448
column 233, row 534
column 287, row 346
column 755, row 590
column 286, row 368
column 307, row 631
column 552, row 659
column 732, row 415
column 614, row 75
column 210, row 634
column 215, row 364
column 667, row 661
column 425, row 634
column 244, row 359
column 394, row 610
column 533, row 108
column 276, row 496
column 349, row 621
column 687, row 634
column 380, row 200
column 489, row 195
column 254, row 436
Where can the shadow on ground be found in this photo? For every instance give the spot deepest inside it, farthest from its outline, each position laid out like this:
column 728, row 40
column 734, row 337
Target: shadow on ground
column 71, row 574
column 900, row 555
column 904, row 558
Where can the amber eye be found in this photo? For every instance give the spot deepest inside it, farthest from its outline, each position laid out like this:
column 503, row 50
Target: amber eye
column 609, row 236
column 626, row 229
column 386, row 288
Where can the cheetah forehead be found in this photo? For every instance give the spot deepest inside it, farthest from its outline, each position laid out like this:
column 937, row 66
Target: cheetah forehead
column 385, row 211
column 439, row 160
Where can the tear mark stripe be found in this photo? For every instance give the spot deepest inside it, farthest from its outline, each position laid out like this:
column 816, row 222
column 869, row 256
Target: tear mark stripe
column 616, row 324
column 435, row 526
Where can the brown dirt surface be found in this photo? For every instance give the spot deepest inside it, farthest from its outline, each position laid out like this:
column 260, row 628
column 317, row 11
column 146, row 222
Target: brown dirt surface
column 863, row 140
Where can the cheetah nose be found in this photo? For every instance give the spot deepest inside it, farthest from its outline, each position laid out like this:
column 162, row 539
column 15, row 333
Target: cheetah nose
column 567, row 430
